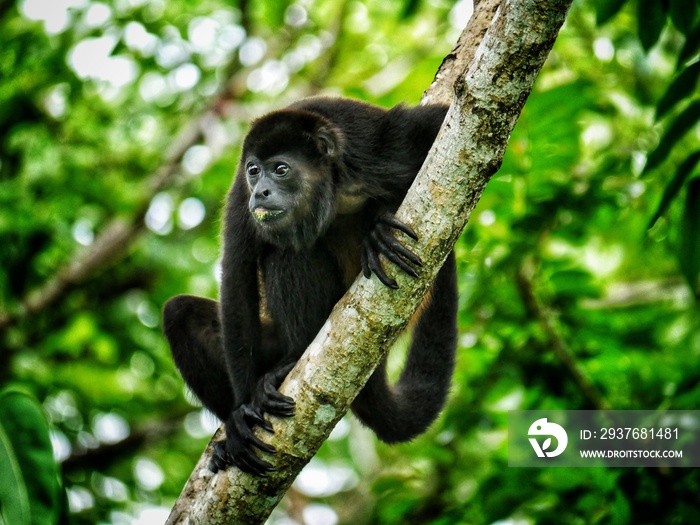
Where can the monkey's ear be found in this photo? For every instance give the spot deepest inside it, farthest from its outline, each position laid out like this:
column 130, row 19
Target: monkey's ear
column 329, row 140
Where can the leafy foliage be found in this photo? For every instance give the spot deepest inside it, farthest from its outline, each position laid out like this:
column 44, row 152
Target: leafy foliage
column 30, row 493
column 121, row 123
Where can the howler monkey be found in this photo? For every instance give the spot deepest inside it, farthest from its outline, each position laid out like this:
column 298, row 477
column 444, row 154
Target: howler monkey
column 312, row 205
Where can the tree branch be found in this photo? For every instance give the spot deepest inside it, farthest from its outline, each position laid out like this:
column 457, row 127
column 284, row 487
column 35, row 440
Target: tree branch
column 547, row 319
column 106, row 454
column 456, row 62
column 489, row 96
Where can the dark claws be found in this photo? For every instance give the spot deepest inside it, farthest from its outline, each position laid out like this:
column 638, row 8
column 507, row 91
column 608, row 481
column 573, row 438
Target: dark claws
column 246, row 461
column 393, row 249
column 238, row 448
column 380, row 241
column 245, row 431
column 253, row 465
column 376, row 267
column 392, row 221
column 371, row 264
column 270, row 400
column 219, row 459
column 280, row 407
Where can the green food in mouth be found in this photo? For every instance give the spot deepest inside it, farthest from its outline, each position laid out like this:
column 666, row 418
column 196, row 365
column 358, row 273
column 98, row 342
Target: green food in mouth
column 262, row 214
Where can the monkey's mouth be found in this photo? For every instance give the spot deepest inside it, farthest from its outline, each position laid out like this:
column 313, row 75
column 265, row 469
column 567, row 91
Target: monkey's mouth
column 266, row 214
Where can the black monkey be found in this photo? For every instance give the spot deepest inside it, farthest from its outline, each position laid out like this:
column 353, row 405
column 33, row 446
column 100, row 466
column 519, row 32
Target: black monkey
column 312, row 205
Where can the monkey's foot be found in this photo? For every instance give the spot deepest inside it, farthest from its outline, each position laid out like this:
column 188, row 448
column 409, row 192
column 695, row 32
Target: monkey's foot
column 238, row 447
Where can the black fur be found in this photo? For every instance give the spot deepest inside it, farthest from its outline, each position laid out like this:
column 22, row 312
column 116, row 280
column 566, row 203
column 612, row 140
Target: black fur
column 312, row 204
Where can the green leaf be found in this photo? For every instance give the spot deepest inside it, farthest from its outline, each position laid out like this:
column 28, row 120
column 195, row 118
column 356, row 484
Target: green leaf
column 410, row 9
column 682, row 87
column 553, row 134
column 683, row 14
column 29, row 486
column 689, row 249
column 651, row 17
column 606, row 9
column 673, row 187
column 683, row 122
column 575, row 283
column 691, row 46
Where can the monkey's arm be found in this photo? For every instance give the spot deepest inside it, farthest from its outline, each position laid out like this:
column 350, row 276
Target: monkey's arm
column 240, row 317
column 193, row 328
column 408, row 133
column 243, row 347
column 241, row 337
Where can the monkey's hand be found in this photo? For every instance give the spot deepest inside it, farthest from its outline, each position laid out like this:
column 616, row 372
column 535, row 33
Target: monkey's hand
column 238, row 448
column 381, row 241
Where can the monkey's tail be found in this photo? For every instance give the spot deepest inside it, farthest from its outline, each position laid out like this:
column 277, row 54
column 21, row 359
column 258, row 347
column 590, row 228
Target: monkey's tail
column 401, row 412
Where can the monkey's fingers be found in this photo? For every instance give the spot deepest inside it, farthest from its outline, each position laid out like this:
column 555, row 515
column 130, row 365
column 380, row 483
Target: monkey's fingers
column 390, row 244
column 278, row 409
column 380, row 241
column 254, row 416
column 242, row 428
column 243, row 458
column 390, row 220
column 239, row 444
column 268, row 399
column 275, row 403
column 398, row 253
column 364, row 263
column 220, row 460
column 252, row 464
column 371, row 264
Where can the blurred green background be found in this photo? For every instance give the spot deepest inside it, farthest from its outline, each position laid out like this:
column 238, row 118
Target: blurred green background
column 120, row 128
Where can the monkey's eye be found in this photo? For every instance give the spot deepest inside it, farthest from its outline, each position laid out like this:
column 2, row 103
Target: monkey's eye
column 252, row 169
column 281, row 170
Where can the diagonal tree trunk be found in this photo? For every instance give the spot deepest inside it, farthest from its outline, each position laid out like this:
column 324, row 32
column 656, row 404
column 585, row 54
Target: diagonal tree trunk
column 489, row 93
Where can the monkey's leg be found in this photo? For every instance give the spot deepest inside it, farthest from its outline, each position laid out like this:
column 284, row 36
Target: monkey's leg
column 193, row 329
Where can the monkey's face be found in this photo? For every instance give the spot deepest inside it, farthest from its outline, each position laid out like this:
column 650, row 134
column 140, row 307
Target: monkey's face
column 291, row 200
column 273, row 186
